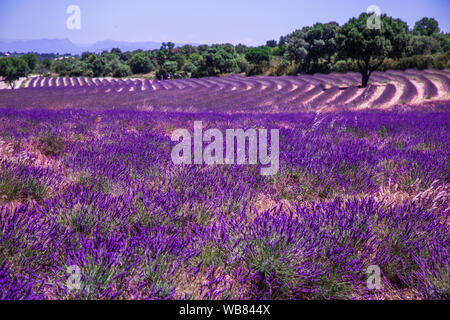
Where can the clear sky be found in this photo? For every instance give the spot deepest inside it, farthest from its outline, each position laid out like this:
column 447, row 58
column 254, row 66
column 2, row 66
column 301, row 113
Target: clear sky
column 250, row 22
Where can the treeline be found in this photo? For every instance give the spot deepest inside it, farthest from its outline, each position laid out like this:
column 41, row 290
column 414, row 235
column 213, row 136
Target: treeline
column 39, row 56
column 322, row 48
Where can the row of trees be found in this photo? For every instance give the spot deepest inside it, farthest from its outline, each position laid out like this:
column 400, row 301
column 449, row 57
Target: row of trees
column 324, row 47
column 320, row 48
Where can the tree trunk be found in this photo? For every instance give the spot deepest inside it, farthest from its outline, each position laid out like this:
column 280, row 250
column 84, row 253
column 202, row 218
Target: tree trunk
column 365, row 79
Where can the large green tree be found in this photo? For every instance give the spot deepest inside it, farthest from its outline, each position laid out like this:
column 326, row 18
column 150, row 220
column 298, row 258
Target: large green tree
column 426, row 27
column 31, row 60
column 140, row 63
column 72, row 67
column 12, row 69
column 370, row 46
column 98, row 65
column 259, row 57
column 217, row 60
column 310, row 44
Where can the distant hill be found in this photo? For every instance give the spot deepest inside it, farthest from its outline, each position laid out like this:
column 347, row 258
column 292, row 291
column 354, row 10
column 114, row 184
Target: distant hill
column 63, row 46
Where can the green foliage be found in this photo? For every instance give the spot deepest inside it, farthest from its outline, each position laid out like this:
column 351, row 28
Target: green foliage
column 421, row 45
column 190, row 67
column 321, row 48
column 187, row 50
column 12, row 69
column 211, row 255
column 98, row 65
column 31, row 60
column 170, row 66
column 271, row 43
column 122, row 70
column 216, row 60
column 331, row 286
column 242, row 64
column 51, row 144
column 444, row 42
column 258, row 55
column 310, row 44
column 156, row 271
column 441, row 61
column 277, row 51
column 426, row 27
column 420, row 62
column 140, row 63
column 241, row 48
column 13, row 188
column 343, row 66
column 181, row 75
column 71, row 67
column 116, row 51
column 383, row 132
column 45, row 66
column 269, row 260
column 371, row 46
column 97, row 276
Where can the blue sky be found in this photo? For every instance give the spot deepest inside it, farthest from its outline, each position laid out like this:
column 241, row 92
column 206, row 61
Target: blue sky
column 195, row 21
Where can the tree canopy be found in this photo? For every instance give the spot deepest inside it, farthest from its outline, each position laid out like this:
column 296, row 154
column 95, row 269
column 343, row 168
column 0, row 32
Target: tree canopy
column 310, row 44
column 369, row 46
column 12, row 69
column 140, row 63
column 216, row 60
column 426, row 27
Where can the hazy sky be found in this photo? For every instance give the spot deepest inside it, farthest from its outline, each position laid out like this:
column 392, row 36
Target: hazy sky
column 195, row 21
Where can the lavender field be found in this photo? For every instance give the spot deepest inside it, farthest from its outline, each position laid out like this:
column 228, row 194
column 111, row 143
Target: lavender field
column 87, row 180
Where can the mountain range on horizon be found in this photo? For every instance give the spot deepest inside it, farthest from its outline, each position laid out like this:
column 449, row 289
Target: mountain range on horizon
column 65, row 46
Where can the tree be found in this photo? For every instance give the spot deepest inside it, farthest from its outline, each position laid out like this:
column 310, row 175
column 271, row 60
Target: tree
column 371, row 46
column 271, row 43
column 72, row 67
column 46, row 66
column 283, row 41
column 31, row 60
column 116, row 51
column 86, row 55
column 98, row 65
column 260, row 57
column 426, row 27
column 190, row 67
column 140, row 63
column 420, row 45
column 187, row 50
column 121, row 71
column 444, row 41
column 12, row 69
column 242, row 64
column 167, row 48
column 216, row 60
column 241, row 48
column 195, row 59
column 80, row 68
column 310, row 44
column 170, row 66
